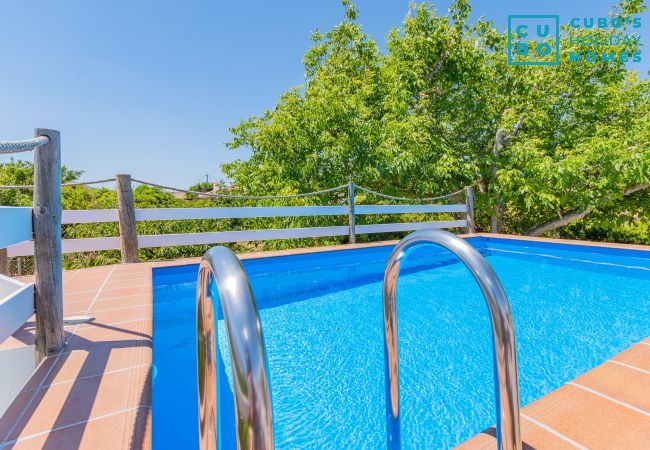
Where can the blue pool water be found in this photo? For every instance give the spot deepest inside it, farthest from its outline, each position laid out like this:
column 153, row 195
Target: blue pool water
column 573, row 308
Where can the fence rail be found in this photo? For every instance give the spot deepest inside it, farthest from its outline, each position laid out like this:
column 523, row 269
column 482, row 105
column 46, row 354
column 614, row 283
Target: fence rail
column 218, row 237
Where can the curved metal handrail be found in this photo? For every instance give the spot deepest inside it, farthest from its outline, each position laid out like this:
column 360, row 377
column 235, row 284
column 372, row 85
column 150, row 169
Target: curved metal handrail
column 252, row 395
column 505, row 358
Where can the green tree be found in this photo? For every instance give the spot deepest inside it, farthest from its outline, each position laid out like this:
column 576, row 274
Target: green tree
column 442, row 109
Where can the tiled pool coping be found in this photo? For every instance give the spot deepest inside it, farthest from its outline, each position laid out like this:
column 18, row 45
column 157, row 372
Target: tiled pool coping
column 97, row 393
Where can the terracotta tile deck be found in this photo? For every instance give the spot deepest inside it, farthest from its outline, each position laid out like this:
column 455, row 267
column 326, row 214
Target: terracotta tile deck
column 97, row 393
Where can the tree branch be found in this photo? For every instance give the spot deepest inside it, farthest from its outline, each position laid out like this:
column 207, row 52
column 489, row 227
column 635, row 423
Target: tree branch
column 436, row 69
column 636, row 188
column 568, row 218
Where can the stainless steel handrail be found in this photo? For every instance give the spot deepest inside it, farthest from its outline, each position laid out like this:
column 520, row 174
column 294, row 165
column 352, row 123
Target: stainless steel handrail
column 503, row 334
column 252, row 396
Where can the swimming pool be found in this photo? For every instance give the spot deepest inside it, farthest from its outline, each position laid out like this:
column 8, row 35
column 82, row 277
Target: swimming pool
column 573, row 308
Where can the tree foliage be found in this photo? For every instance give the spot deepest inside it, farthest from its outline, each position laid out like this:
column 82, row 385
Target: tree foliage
column 441, row 109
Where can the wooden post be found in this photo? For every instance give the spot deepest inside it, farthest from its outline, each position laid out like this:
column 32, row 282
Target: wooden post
column 469, row 202
column 126, row 213
column 48, row 283
column 351, row 217
column 4, row 262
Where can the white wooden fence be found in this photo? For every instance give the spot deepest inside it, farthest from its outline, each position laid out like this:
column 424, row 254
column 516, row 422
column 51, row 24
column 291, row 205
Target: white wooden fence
column 167, row 240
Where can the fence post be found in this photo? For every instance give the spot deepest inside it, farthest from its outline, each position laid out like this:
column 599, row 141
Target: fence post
column 126, row 213
column 351, row 217
column 4, row 262
column 48, row 282
column 469, row 202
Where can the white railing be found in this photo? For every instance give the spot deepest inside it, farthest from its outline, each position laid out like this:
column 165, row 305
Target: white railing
column 16, row 298
column 217, row 237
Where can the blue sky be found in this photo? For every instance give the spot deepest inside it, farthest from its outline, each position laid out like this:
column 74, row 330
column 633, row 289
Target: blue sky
column 151, row 87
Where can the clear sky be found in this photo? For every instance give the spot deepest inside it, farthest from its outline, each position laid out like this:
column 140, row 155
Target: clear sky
column 151, row 87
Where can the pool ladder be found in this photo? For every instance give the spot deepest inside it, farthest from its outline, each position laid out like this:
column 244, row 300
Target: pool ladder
column 222, row 269
column 503, row 334
column 254, row 421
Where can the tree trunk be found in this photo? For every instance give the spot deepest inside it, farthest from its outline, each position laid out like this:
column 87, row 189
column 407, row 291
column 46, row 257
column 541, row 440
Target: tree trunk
column 497, row 214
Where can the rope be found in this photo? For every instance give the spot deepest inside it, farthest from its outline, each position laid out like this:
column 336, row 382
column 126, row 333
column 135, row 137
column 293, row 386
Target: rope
column 250, row 197
column 85, row 183
column 22, row 146
column 408, row 199
column 75, row 183
column 241, row 197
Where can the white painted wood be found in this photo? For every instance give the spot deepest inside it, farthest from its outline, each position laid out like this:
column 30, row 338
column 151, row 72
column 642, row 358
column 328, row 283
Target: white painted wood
column 168, row 240
column 111, row 215
column 237, row 212
column 16, row 305
column 16, row 223
column 69, row 246
column 23, row 249
column 392, row 227
column 90, row 244
column 89, row 216
column 408, row 209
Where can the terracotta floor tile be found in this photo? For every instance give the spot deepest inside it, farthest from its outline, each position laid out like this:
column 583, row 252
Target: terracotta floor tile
column 112, row 432
column 536, row 437
column 591, row 420
column 40, row 373
column 624, row 384
column 85, row 276
column 82, row 363
column 12, row 414
column 107, row 294
column 66, row 404
column 19, row 339
column 111, row 336
column 76, row 308
column 532, row 437
column 171, row 263
column 638, row 356
column 78, row 296
column 123, row 314
column 114, row 303
column 128, row 283
column 482, row 441
column 130, row 272
column 81, row 284
column 192, row 261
